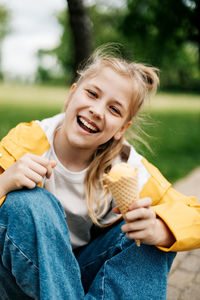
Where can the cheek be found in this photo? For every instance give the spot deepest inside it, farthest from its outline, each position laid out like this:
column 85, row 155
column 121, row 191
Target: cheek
column 71, row 105
column 114, row 127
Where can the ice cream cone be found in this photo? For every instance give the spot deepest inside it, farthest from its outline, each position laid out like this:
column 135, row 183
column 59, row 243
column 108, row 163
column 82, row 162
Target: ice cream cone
column 124, row 191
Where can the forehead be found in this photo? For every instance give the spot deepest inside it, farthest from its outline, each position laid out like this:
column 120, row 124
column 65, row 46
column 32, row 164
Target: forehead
column 111, row 82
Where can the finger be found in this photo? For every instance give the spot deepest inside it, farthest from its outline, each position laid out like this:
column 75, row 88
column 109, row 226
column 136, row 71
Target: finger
column 49, row 170
column 116, row 210
column 140, row 213
column 38, row 159
column 138, row 225
column 28, row 183
column 45, row 163
column 143, row 235
column 52, row 164
column 37, row 168
column 136, row 235
column 33, row 176
column 144, row 202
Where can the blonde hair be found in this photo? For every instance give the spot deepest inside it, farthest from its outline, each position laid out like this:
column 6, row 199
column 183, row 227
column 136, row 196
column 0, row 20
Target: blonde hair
column 145, row 81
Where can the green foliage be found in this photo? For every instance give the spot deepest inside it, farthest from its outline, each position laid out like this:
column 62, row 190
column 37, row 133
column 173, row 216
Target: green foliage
column 4, row 29
column 105, row 24
column 160, row 29
column 4, row 22
column 181, row 72
column 166, row 35
column 63, row 55
column 105, row 29
column 174, row 140
column 64, row 51
column 161, row 34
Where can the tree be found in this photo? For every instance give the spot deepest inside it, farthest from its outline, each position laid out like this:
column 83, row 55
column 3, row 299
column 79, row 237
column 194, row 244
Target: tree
column 64, row 52
column 194, row 24
column 154, row 28
column 4, row 29
column 81, row 28
column 164, row 34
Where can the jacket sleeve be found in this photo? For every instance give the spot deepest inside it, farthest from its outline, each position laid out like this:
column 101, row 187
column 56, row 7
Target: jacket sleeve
column 24, row 138
column 180, row 213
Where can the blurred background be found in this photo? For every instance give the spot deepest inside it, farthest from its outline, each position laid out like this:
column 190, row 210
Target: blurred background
column 43, row 42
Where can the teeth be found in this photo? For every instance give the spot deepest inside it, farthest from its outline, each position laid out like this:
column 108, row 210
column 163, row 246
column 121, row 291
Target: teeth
column 88, row 125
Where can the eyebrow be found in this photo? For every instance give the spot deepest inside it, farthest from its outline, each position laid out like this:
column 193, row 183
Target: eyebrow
column 117, row 101
column 96, row 87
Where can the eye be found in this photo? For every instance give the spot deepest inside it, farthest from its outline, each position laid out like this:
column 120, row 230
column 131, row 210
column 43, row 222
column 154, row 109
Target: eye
column 91, row 93
column 115, row 110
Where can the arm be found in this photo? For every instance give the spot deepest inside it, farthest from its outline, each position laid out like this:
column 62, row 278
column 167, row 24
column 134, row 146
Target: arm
column 179, row 213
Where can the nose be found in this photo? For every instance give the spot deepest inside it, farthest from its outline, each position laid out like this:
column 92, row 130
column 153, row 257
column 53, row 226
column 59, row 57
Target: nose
column 97, row 111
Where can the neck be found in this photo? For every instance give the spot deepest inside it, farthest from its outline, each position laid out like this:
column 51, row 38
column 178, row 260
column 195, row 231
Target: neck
column 74, row 159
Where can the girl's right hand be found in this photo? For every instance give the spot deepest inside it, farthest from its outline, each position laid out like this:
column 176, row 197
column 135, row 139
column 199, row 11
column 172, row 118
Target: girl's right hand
column 27, row 172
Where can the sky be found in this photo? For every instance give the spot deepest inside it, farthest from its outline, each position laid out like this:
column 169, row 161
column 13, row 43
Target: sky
column 33, row 26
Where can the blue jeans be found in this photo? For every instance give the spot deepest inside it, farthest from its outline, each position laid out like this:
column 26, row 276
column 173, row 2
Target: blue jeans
column 37, row 261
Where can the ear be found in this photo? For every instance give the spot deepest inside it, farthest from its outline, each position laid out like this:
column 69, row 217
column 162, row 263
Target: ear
column 121, row 131
column 71, row 90
column 73, row 86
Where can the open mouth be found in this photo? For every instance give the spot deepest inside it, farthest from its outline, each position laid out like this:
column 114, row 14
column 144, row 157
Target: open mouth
column 87, row 126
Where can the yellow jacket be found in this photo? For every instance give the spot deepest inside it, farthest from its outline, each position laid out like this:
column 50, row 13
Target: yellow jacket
column 180, row 213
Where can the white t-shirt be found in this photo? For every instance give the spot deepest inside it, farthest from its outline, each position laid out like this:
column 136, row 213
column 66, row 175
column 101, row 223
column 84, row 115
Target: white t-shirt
column 69, row 189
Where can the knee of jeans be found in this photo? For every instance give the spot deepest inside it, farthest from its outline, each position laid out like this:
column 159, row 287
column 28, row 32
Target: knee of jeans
column 36, row 201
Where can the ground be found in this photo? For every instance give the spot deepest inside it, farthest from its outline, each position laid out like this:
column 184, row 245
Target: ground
column 184, row 278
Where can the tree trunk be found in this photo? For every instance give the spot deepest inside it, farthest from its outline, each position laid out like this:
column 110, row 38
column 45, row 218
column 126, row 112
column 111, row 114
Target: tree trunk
column 81, row 28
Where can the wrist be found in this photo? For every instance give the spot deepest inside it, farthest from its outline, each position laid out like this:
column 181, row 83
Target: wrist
column 164, row 234
column 2, row 192
column 3, row 187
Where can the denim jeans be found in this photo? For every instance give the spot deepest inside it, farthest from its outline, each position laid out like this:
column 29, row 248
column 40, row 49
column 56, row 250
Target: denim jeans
column 37, row 261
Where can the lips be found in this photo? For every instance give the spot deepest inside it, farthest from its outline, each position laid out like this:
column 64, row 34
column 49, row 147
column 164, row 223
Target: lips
column 87, row 125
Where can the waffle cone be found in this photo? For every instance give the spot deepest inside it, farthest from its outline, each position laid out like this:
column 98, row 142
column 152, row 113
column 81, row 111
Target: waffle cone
column 124, row 191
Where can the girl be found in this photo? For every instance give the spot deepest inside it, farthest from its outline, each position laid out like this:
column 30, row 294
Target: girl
column 50, row 244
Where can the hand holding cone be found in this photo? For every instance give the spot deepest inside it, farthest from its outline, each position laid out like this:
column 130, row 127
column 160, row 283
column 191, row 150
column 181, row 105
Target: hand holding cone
column 122, row 180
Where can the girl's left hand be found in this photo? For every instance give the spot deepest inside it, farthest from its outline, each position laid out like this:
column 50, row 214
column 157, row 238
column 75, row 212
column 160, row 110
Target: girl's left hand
column 143, row 224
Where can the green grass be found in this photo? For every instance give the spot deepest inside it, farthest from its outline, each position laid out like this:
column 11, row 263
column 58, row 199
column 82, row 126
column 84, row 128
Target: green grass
column 174, row 138
column 32, row 95
column 174, row 127
column 13, row 114
column 23, row 103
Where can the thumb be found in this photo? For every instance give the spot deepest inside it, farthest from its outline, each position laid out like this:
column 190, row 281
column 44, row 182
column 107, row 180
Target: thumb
column 53, row 163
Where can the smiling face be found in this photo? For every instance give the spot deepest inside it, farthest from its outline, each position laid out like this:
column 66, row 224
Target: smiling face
column 97, row 110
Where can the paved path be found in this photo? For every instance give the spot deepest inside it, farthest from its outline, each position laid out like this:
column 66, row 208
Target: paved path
column 184, row 278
